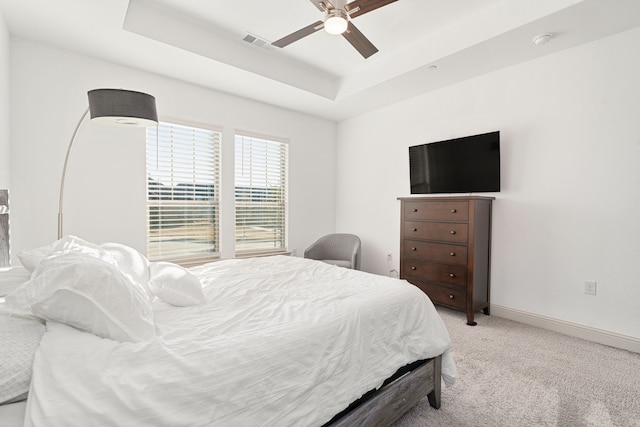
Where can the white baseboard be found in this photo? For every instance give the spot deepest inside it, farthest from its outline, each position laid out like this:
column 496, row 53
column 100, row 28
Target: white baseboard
column 572, row 329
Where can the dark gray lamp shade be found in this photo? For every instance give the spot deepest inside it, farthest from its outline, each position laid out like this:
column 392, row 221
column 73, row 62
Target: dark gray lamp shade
column 119, row 107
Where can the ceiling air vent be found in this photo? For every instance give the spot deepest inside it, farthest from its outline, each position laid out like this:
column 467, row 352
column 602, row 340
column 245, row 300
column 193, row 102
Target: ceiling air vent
column 257, row 41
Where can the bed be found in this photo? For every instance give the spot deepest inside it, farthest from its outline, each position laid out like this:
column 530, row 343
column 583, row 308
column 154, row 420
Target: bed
column 261, row 341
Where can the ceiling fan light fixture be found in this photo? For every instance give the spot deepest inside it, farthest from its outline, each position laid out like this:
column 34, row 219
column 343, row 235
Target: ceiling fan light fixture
column 336, row 22
column 338, row 16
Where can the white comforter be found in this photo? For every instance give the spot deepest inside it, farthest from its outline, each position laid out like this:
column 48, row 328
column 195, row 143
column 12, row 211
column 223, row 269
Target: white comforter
column 282, row 341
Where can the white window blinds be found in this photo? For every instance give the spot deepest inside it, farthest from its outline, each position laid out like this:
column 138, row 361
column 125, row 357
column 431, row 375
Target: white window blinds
column 182, row 193
column 261, row 189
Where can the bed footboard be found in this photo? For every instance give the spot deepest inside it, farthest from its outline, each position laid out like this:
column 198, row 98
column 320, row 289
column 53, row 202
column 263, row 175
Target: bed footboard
column 387, row 404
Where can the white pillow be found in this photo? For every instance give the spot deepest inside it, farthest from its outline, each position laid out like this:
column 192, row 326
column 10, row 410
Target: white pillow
column 87, row 293
column 20, row 338
column 131, row 262
column 32, row 257
column 175, row 285
column 11, row 278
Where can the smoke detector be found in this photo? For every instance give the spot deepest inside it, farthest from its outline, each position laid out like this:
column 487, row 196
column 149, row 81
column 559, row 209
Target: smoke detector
column 542, row 38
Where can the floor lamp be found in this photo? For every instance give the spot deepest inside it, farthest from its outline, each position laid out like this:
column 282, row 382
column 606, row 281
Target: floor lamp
column 113, row 107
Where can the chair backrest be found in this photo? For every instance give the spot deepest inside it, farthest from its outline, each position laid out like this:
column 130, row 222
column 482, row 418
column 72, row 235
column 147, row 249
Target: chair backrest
column 338, row 246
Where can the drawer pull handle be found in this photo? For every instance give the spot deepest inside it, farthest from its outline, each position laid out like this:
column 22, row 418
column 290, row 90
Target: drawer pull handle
column 415, row 229
column 413, row 267
column 453, row 211
column 452, row 254
column 452, row 275
column 415, row 210
column 453, row 231
column 413, row 249
column 452, row 297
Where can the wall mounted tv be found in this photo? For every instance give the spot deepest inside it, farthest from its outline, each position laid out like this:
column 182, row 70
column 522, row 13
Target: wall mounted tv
column 463, row 165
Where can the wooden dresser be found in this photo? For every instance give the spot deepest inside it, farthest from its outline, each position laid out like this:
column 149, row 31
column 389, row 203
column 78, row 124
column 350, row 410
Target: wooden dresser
column 445, row 247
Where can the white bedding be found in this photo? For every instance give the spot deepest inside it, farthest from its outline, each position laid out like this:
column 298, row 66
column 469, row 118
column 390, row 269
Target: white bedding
column 281, row 341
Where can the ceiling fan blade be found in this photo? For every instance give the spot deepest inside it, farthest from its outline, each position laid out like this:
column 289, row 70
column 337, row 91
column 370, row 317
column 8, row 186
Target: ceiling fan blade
column 322, row 5
column 360, row 7
column 359, row 41
column 287, row 40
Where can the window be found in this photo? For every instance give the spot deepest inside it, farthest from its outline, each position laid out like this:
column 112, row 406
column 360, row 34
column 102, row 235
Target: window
column 260, row 194
column 183, row 194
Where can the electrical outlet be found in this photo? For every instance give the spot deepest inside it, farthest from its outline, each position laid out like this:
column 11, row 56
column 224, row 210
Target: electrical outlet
column 392, row 271
column 590, row 287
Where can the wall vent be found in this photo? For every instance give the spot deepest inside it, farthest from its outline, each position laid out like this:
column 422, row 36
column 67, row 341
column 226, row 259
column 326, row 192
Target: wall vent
column 257, row 41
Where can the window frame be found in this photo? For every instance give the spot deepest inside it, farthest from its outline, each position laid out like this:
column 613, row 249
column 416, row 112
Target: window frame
column 215, row 203
column 284, row 145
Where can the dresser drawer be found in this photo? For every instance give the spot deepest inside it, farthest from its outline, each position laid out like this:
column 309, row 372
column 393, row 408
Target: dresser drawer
column 442, row 231
column 439, row 253
column 439, row 211
column 425, row 270
column 448, row 296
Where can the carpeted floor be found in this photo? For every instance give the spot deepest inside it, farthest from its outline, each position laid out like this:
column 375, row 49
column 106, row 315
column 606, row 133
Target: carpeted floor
column 511, row 374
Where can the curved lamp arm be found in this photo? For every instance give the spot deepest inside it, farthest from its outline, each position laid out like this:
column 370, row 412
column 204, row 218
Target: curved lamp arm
column 113, row 107
column 64, row 172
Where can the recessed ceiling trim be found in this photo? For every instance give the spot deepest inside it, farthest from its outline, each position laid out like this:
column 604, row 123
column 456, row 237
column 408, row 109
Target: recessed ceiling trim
column 163, row 24
column 202, row 49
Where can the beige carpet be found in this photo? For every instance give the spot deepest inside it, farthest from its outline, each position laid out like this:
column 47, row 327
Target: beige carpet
column 511, row 374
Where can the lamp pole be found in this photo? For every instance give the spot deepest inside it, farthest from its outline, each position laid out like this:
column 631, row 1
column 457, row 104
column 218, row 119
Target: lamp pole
column 64, row 172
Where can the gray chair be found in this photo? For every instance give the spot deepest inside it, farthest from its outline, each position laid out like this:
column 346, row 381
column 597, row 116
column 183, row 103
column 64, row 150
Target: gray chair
column 337, row 249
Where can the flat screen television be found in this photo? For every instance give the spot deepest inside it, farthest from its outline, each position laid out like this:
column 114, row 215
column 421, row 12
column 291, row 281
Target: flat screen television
column 462, row 165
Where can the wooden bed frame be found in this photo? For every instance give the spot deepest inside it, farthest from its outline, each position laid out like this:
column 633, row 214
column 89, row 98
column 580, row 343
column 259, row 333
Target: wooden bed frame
column 385, row 405
column 396, row 397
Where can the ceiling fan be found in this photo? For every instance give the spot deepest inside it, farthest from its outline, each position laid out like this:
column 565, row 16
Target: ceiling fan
column 337, row 20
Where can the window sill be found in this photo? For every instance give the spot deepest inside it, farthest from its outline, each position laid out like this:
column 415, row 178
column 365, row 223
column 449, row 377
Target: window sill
column 191, row 262
column 261, row 254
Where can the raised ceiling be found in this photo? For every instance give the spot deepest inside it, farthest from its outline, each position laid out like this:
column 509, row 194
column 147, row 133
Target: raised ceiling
column 423, row 44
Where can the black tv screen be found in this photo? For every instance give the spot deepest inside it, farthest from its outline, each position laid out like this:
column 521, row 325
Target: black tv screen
column 463, row 165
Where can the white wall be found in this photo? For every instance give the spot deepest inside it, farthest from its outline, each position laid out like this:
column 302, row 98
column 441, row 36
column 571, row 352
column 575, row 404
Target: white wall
column 569, row 209
column 105, row 185
column 5, row 151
